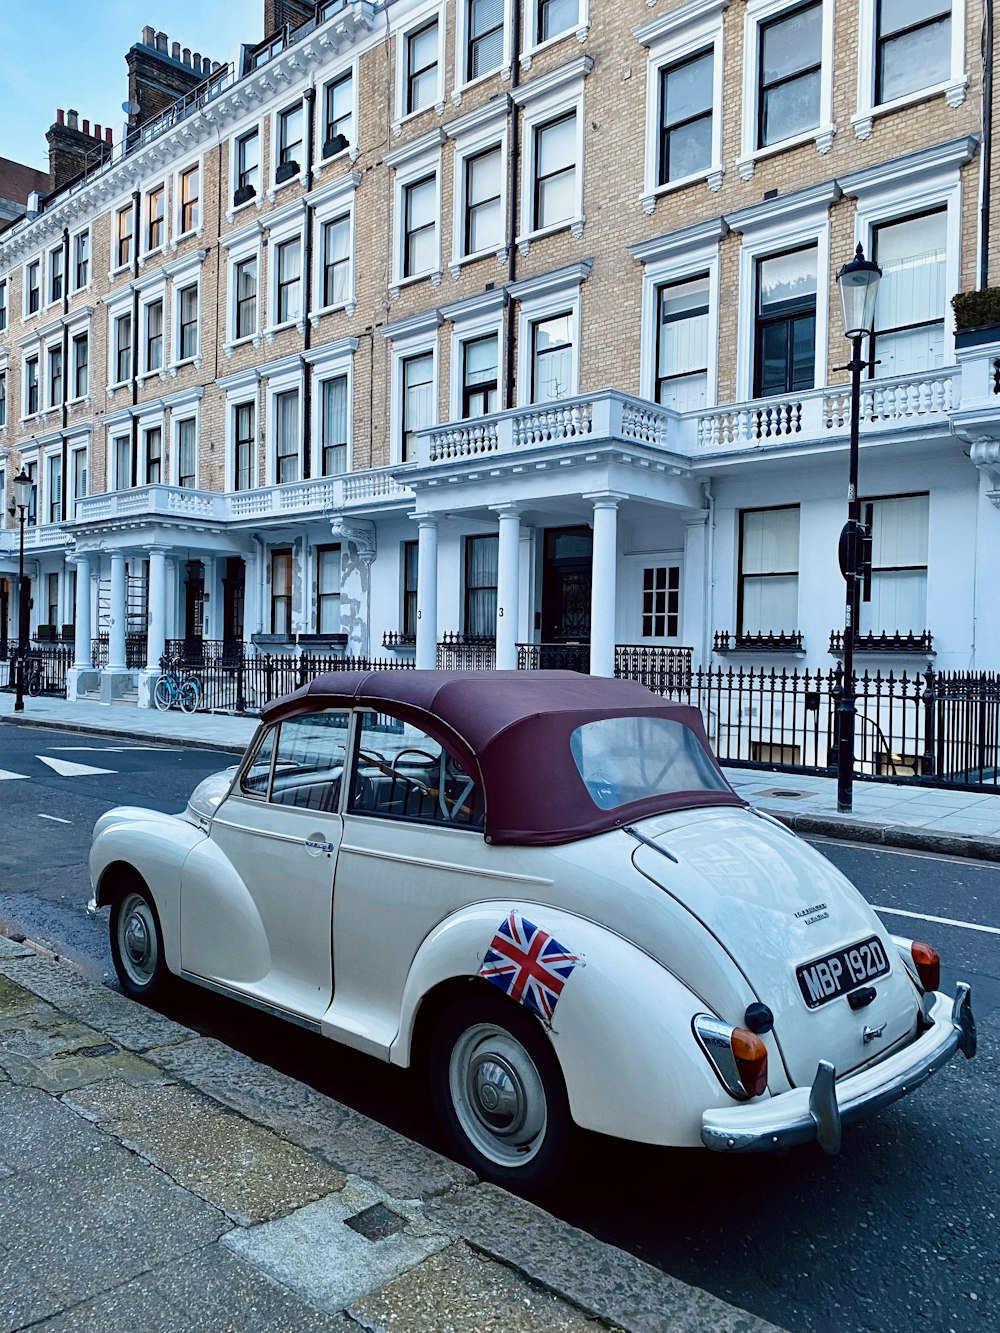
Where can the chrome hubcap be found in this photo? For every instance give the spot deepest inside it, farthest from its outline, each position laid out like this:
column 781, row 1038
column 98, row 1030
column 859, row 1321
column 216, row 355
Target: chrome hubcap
column 137, row 938
column 498, row 1095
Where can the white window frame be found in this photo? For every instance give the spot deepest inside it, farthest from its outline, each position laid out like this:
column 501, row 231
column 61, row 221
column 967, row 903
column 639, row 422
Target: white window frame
column 917, row 183
column 281, row 377
column 5, row 416
column 151, row 293
column 144, row 424
column 538, row 299
column 77, row 326
column 286, row 224
column 75, row 239
column 34, row 353
column 59, row 249
column 334, row 361
column 25, row 314
column 416, row 20
column 114, row 267
column 954, row 88
column 116, row 426
column 759, row 12
column 119, row 305
column 178, row 234
column 46, row 400
column 676, row 257
column 246, row 243
column 275, row 137
column 671, row 39
column 329, row 203
column 461, row 83
column 407, row 338
column 250, row 127
column 5, row 304
column 185, row 272
column 145, row 254
column 475, row 318
column 43, row 497
column 73, row 449
column 241, row 388
column 409, row 165
column 544, row 99
column 786, row 223
column 531, row 48
column 353, row 146
column 475, row 133
column 179, row 417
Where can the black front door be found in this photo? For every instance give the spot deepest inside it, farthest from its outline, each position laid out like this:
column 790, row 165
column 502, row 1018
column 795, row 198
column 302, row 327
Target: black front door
column 194, row 607
column 566, row 583
column 233, row 589
column 4, row 610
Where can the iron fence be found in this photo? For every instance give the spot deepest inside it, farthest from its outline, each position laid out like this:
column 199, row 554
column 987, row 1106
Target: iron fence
column 135, row 652
column 553, row 657
column 244, row 684
column 660, row 669
column 45, row 668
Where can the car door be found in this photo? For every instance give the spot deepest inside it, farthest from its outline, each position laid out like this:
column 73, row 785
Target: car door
column 256, row 906
column 413, row 851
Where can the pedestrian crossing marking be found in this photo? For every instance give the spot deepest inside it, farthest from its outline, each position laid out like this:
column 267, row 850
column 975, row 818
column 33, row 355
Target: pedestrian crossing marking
column 66, row 768
column 7, row 776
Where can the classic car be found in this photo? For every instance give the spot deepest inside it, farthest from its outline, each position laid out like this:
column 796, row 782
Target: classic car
column 541, row 888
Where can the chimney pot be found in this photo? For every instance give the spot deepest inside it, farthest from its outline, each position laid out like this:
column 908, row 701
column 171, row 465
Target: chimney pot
column 107, row 135
column 86, row 127
column 186, row 55
column 161, row 42
column 175, row 50
column 216, row 66
column 72, row 120
column 196, row 60
column 98, row 133
column 148, row 35
column 60, row 117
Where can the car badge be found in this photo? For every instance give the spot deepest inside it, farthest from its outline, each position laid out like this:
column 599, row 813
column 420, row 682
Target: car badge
column 869, row 1034
column 810, row 915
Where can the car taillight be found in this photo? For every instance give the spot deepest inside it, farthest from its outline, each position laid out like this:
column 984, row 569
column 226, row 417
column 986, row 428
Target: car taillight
column 927, row 961
column 738, row 1056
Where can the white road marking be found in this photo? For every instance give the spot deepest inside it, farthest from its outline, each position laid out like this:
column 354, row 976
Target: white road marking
column 67, row 769
column 940, row 920
column 100, row 749
column 7, row 776
column 55, row 818
column 969, row 862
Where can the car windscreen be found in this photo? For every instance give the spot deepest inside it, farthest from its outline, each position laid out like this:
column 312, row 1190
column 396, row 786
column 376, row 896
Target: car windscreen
column 625, row 759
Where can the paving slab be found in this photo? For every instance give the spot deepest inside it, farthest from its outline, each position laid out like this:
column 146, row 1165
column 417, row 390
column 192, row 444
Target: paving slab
column 340, row 1135
column 38, row 1132
column 97, row 1219
column 244, row 1169
column 131, row 1025
column 15, row 999
column 458, row 1291
column 318, row 1256
column 211, row 1291
column 12, row 949
column 30, row 1040
column 599, row 1278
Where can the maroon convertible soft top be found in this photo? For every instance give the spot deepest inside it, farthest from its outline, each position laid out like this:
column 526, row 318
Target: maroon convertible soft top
column 511, row 730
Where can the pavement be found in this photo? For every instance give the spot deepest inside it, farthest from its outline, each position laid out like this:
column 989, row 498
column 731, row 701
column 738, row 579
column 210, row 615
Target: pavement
column 157, row 1181
column 943, row 820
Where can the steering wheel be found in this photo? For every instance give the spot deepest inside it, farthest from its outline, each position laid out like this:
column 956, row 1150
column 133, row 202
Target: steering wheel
column 422, row 787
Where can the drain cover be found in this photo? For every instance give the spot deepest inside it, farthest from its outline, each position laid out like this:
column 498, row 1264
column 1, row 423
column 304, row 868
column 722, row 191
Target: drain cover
column 376, row 1222
column 785, row 793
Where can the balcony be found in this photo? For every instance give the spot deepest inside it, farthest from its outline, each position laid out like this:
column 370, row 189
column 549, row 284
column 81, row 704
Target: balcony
column 783, row 641
column 37, row 538
column 919, row 644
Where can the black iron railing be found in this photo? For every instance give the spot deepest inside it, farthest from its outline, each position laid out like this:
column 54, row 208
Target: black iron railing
column 553, row 657
column 45, row 668
column 919, row 644
column 466, row 652
column 245, row 684
column 135, row 652
column 197, row 652
column 393, row 638
column 660, row 669
column 784, row 641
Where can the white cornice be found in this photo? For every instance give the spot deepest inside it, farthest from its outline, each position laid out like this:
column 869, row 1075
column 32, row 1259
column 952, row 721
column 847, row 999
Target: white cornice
column 490, row 113
column 675, row 242
column 427, row 143
column 910, row 167
column 573, row 72
column 483, row 303
column 572, row 275
column 684, row 16
column 425, row 322
column 784, row 207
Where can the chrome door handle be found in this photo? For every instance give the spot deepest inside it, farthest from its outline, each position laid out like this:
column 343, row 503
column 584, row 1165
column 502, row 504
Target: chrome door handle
column 314, row 846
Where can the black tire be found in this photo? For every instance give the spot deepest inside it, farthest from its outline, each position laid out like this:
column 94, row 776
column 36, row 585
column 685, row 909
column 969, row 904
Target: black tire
column 137, row 942
column 35, row 684
column 499, row 1092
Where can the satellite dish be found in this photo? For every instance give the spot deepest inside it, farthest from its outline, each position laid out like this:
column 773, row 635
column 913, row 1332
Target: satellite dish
column 131, row 107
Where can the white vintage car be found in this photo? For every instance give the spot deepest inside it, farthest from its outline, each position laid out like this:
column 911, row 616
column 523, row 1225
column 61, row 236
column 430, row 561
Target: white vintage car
column 541, row 887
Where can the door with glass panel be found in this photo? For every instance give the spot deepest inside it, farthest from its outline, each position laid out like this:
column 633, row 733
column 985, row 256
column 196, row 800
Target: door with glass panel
column 912, row 295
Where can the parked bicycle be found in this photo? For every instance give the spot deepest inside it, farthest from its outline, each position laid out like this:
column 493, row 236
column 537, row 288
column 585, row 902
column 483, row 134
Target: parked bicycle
column 172, row 690
column 34, row 676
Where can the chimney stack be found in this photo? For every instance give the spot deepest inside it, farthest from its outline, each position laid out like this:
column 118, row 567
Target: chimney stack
column 279, row 12
column 159, row 72
column 73, row 150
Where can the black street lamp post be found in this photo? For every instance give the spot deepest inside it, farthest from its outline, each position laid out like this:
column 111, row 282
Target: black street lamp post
column 23, row 488
column 858, row 284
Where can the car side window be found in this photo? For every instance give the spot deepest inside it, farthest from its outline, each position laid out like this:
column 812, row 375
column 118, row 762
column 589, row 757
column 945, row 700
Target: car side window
column 309, row 766
column 402, row 773
column 257, row 773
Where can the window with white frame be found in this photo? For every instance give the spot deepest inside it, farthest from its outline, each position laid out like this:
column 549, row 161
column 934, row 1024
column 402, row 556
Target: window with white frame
column 52, row 582
column 790, row 62
column 55, row 376
column 480, row 371
column 121, row 447
column 484, row 37
column 548, row 334
column 661, row 601
column 421, row 77
column 555, row 17
column 686, row 119
column 912, row 295
column 155, row 210
column 244, row 444
column 81, row 365
column 898, row 603
column 3, row 304
column 483, row 228
column 79, row 473
column 245, row 298
column 287, row 436
column 187, row 322
column 682, row 327
column 417, row 399
column 122, row 347
column 153, row 349
column 785, row 322
column 912, row 46
column 32, row 471
column 124, row 220
column 409, row 567
column 336, row 261
column 768, row 593
column 552, row 164
column 32, row 292
column 3, row 409
column 327, row 589
column 281, row 590
column 420, row 242
column 482, row 555
column 333, row 426
column 81, row 260
column 291, row 131
column 338, row 114
column 554, row 151
column 552, row 357
column 189, row 194
column 187, row 453
column 152, row 453
column 247, row 180
column 53, row 491
column 31, row 403
column 288, row 281
column 57, row 274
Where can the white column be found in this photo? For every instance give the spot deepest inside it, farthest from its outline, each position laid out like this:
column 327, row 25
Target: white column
column 427, row 592
column 508, row 585
column 116, row 634
column 81, row 615
column 156, row 633
column 604, row 584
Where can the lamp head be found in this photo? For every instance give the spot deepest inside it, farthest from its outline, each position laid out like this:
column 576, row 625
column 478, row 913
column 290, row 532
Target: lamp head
column 857, row 283
column 23, row 487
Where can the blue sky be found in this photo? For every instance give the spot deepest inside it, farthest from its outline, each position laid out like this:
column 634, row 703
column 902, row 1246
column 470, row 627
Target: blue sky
column 70, row 53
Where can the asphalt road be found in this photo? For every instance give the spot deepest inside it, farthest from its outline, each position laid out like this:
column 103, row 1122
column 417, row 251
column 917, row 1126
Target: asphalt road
column 898, row 1233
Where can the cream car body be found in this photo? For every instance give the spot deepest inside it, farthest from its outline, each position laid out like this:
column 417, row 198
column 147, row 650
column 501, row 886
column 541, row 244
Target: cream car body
column 365, row 922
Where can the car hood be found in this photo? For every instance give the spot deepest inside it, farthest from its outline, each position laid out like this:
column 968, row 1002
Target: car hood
column 773, row 903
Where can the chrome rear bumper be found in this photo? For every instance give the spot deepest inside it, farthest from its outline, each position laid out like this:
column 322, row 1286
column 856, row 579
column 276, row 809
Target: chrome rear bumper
column 804, row 1115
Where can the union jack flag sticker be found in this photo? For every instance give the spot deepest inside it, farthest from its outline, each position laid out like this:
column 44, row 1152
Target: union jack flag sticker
column 528, row 965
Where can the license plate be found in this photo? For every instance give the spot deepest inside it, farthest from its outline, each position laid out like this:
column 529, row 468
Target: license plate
column 840, row 972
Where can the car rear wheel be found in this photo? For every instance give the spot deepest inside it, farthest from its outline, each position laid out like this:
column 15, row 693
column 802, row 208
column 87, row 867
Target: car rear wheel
column 499, row 1092
column 137, row 943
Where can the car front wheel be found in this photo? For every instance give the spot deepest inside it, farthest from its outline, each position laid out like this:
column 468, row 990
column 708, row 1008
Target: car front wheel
column 499, row 1093
column 137, row 943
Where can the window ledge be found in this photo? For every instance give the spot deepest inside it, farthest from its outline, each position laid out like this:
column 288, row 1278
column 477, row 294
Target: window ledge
column 822, row 136
column 573, row 225
column 352, row 151
column 186, row 236
column 348, row 307
column 278, row 186
column 435, row 275
column 439, row 106
column 175, row 366
column 117, row 272
column 460, row 89
column 272, row 332
column 147, row 255
column 953, row 90
column 712, row 178
column 456, row 265
column 251, row 340
column 159, row 373
column 580, row 32
column 255, row 202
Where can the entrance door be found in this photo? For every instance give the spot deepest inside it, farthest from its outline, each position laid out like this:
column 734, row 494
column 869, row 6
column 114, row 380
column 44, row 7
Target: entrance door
column 194, row 608
column 233, row 588
column 4, row 609
column 566, row 583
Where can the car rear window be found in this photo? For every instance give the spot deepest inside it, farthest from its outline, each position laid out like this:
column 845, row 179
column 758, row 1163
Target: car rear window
column 625, row 759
